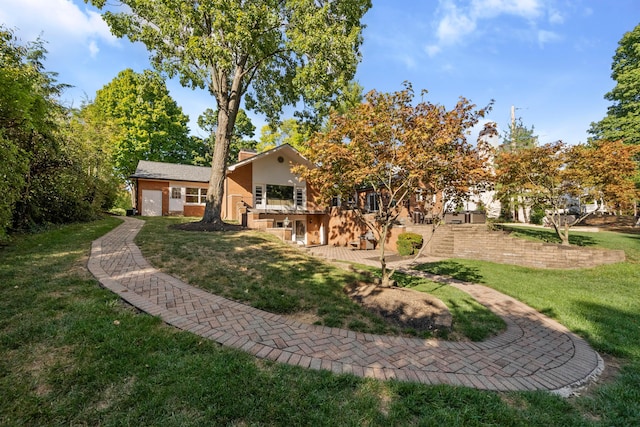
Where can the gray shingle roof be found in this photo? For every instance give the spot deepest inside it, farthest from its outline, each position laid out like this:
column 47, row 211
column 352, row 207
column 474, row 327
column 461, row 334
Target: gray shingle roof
column 171, row 171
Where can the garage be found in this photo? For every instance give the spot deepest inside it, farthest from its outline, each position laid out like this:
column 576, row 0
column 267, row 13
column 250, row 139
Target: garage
column 152, row 202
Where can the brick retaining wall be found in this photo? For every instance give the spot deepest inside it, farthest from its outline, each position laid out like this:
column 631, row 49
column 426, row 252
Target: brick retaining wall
column 477, row 242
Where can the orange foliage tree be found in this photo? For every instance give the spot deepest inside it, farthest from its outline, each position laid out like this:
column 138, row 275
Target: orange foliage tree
column 554, row 176
column 393, row 147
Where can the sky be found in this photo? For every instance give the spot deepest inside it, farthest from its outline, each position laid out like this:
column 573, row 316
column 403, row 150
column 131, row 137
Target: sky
column 549, row 59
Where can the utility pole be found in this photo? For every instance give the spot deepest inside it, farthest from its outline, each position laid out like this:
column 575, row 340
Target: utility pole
column 513, row 127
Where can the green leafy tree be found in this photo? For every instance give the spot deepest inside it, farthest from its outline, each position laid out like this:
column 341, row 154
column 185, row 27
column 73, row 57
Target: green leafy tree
column 43, row 165
column 141, row 120
column 287, row 132
column 622, row 121
column 296, row 132
column 275, row 53
column 16, row 97
column 518, row 136
column 241, row 139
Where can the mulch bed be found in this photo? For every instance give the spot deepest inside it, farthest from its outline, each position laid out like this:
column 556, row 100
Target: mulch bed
column 205, row 226
column 402, row 307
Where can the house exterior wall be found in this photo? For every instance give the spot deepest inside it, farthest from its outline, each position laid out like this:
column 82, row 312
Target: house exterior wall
column 193, row 210
column 314, row 229
column 178, row 207
column 344, row 226
column 238, row 192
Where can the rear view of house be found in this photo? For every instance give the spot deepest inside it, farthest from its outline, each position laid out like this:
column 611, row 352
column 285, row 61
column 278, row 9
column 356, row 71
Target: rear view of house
column 260, row 192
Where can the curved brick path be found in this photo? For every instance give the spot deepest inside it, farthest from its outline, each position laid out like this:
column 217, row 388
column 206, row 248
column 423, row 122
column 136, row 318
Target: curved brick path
column 534, row 353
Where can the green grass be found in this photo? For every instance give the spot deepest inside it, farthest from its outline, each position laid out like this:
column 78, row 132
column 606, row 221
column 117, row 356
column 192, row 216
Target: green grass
column 65, row 361
column 601, row 304
column 258, row 269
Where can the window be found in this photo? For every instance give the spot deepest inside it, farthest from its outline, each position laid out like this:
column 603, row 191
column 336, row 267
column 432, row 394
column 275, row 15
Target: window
column 258, row 195
column 196, row 195
column 372, row 202
column 335, row 201
column 299, row 198
column 280, row 195
column 176, row 193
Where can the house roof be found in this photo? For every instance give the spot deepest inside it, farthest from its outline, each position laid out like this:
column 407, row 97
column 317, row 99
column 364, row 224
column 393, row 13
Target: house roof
column 284, row 148
column 171, row 171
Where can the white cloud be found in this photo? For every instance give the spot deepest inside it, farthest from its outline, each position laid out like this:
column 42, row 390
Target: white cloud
column 454, row 25
column 459, row 21
column 545, row 37
column 432, row 50
column 59, row 22
column 555, row 17
column 529, row 9
column 93, row 49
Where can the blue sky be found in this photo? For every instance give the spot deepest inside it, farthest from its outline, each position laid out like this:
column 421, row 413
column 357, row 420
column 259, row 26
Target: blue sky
column 551, row 59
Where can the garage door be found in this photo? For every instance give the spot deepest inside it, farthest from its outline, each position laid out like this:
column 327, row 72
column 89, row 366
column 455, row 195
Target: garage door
column 152, row 202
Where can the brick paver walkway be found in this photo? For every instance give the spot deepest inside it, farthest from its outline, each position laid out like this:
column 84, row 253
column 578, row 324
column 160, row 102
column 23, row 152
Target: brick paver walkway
column 534, row 353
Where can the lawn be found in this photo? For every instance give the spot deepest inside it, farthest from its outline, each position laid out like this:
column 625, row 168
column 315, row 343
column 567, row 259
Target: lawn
column 71, row 353
column 258, row 269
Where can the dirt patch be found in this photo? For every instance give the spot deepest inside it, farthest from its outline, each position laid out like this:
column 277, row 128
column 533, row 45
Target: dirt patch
column 205, row 226
column 402, row 307
column 612, row 366
column 304, row 317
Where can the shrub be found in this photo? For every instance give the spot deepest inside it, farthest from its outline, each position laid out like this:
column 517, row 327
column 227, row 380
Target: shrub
column 537, row 214
column 117, row 211
column 409, row 243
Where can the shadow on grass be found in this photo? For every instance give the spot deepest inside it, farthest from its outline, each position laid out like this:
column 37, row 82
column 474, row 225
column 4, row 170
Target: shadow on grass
column 452, row 269
column 610, row 329
column 259, row 270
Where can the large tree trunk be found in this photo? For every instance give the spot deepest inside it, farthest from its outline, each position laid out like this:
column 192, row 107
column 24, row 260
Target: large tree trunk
column 215, row 193
column 228, row 105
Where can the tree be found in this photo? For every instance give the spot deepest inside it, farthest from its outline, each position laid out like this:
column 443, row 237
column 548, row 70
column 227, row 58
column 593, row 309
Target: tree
column 16, row 98
column 517, row 138
column 554, row 175
column 142, row 120
column 241, row 139
column 622, row 121
column 288, row 132
column 275, row 53
column 43, row 165
column 392, row 147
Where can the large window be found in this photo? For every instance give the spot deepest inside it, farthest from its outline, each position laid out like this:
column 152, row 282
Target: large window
column 196, row 195
column 280, row 195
